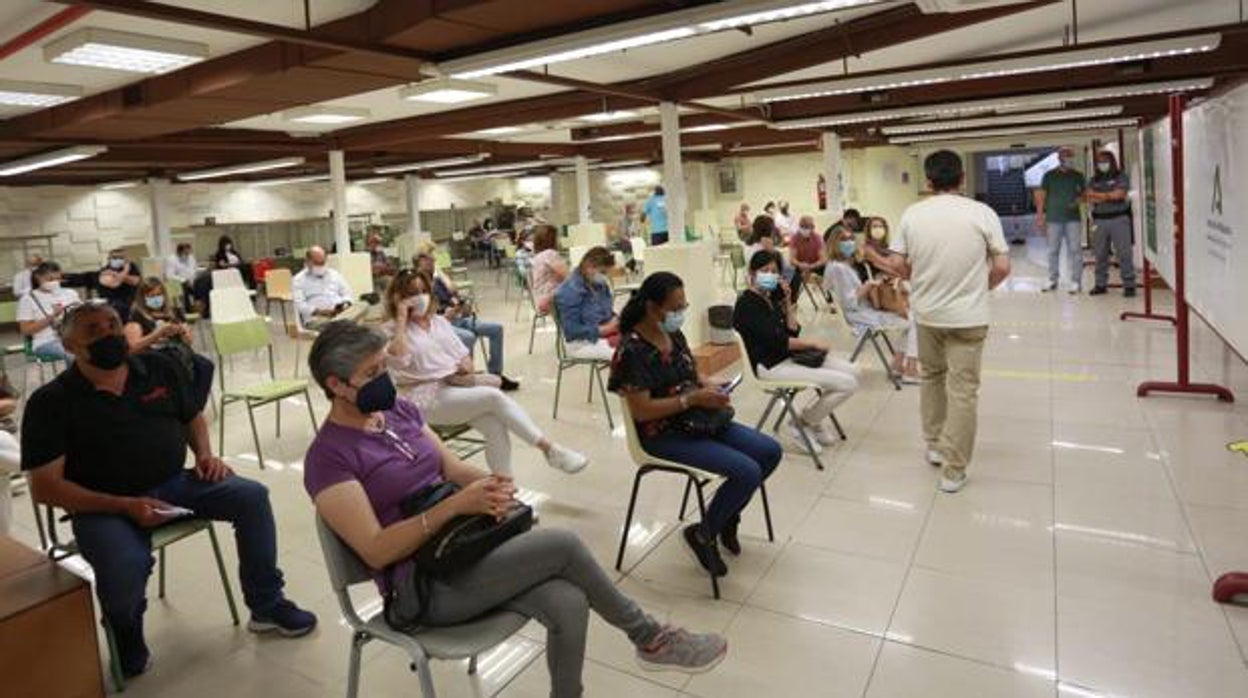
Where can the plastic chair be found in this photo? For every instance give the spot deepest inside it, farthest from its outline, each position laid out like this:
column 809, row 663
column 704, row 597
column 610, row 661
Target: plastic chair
column 736, row 256
column 694, row 479
column 639, row 251
column 783, row 392
column 231, row 304
column 356, row 269
column 248, row 335
column 278, row 286
column 453, row 642
column 152, row 266
column 596, row 367
column 868, row 333
column 162, row 537
column 538, row 314
column 228, row 278
column 174, row 292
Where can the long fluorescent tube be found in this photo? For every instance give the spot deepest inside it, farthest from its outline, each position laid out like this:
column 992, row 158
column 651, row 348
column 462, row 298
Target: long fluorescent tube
column 607, row 165
column 431, row 164
column 471, row 178
column 506, row 167
column 20, row 93
column 1078, row 58
column 448, row 91
column 125, row 184
column 1018, row 131
column 300, row 179
column 670, row 26
column 688, row 129
column 986, row 105
column 605, row 116
column 772, row 146
column 1033, row 117
column 370, row 180
column 116, row 50
column 244, row 168
column 51, row 158
column 499, row 131
column 329, row 116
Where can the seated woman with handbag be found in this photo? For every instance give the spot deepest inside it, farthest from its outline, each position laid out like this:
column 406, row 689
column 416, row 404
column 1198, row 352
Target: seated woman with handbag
column 881, row 303
column 157, row 325
column 682, row 417
column 766, row 319
column 434, row 369
column 447, row 541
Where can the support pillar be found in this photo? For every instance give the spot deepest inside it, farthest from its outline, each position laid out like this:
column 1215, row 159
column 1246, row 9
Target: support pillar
column 338, row 187
column 673, row 171
column 411, row 191
column 834, row 175
column 583, row 202
column 158, row 198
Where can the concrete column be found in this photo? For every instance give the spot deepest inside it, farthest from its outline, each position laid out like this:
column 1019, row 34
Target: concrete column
column 834, row 174
column 158, row 197
column 338, row 187
column 583, row 199
column 706, row 186
column 673, row 171
column 411, row 191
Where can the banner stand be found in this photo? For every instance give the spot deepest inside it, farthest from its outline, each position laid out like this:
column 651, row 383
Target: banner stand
column 1148, row 313
column 1183, row 385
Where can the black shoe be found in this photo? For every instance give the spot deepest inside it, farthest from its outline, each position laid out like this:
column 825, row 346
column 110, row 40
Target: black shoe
column 132, row 652
column 705, row 550
column 1128, row 292
column 728, row 537
column 508, row 384
column 1096, row 291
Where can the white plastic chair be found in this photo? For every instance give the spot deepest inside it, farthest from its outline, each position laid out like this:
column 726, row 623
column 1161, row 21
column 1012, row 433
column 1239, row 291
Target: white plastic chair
column 873, row 334
column 227, row 278
column 231, row 303
column 464, row 641
column 356, row 269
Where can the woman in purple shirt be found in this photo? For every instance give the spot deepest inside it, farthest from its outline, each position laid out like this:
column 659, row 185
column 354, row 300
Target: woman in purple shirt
column 374, row 450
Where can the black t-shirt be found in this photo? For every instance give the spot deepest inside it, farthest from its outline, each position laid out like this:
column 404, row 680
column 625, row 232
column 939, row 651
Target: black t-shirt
column 124, row 293
column 639, row 365
column 123, row 445
column 762, row 326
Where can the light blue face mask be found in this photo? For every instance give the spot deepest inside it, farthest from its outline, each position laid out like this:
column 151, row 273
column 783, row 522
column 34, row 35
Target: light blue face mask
column 847, row 248
column 154, row 302
column 673, row 321
column 599, row 278
column 767, row 280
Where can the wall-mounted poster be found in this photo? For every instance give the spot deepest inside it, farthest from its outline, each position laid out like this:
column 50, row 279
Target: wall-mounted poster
column 728, row 180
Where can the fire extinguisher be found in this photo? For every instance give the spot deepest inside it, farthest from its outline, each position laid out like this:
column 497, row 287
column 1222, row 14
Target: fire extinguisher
column 821, row 192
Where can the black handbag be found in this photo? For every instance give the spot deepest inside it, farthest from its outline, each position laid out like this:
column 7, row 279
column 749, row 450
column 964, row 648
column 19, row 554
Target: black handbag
column 702, row 421
column 811, row 358
column 455, row 547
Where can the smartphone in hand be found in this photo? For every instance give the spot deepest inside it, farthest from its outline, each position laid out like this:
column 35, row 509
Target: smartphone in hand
column 731, row 385
column 173, row 512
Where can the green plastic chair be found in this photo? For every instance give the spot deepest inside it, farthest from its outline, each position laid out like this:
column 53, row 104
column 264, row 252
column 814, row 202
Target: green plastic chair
column 8, row 315
column 248, row 335
column 596, row 367
column 737, row 256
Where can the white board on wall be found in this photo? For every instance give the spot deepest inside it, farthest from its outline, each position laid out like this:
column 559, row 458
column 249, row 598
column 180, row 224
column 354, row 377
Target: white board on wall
column 1215, row 166
column 1157, row 198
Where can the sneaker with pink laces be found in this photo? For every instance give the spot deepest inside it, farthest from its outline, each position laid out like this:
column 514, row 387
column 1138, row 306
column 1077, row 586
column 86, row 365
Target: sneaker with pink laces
column 677, row 649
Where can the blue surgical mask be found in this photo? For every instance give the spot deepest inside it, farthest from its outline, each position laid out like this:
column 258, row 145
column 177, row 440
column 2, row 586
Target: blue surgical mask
column 154, row 302
column 599, row 278
column 847, row 248
column 673, row 321
column 767, row 280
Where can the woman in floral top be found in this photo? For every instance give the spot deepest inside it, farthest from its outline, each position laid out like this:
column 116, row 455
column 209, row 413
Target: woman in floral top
column 654, row 371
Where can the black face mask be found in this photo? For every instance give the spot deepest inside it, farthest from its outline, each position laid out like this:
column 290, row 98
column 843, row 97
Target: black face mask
column 108, row 352
column 377, row 395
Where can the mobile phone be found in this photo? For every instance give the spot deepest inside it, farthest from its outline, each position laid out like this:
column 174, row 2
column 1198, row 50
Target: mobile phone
column 173, row 511
column 731, row 385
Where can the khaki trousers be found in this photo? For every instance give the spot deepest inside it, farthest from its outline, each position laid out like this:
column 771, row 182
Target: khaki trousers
column 949, row 396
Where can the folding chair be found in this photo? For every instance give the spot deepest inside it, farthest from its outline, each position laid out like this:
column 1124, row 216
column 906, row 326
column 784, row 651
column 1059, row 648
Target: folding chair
column 783, row 392
column 453, row 642
column 248, row 335
column 278, row 286
column 694, row 479
column 229, row 278
column 868, row 333
column 596, row 367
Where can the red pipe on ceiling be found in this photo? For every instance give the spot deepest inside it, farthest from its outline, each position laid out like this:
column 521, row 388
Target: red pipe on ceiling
column 42, row 29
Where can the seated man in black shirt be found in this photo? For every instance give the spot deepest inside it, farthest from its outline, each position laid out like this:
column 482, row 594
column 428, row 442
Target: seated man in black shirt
column 107, row 442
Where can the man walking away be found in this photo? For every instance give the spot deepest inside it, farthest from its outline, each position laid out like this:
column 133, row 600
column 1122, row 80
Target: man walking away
column 1057, row 214
column 953, row 251
column 655, row 213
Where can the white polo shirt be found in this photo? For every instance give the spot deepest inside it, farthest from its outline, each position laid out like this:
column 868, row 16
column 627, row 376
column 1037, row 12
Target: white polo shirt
column 312, row 293
column 39, row 304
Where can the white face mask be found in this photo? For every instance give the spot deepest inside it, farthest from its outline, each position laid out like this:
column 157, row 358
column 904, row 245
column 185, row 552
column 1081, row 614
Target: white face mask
column 420, row 304
column 50, row 286
column 317, row 271
column 877, row 233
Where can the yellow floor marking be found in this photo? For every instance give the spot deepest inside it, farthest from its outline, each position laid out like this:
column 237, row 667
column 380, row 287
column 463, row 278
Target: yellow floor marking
column 1239, row 447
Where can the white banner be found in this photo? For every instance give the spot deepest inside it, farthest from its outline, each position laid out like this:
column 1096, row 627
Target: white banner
column 1157, row 198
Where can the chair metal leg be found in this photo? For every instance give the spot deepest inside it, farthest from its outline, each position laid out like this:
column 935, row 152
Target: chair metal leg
column 589, row 394
column 43, row 535
column 307, row 400
column 628, row 518
column 801, row 430
column 888, row 343
column 606, row 405
column 255, row 435
column 558, row 385
column 766, row 412
column 762, row 491
column 114, row 659
column 888, row 369
column 859, row 345
column 472, row 665
column 532, row 333
column 426, row 679
column 277, row 412
column 221, row 427
column 836, row 423
column 702, row 513
column 161, row 593
column 684, row 501
column 225, row 577
column 353, row 664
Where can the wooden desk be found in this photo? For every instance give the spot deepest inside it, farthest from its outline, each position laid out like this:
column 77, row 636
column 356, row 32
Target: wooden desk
column 47, row 628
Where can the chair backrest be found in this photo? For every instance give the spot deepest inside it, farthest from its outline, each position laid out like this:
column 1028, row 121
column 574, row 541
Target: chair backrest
column 356, row 269
column 8, row 312
column 737, row 253
column 231, row 304
column 277, row 284
column 561, row 349
column 442, row 259
column 227, row 278
column 635, row 449
column 152, row 266
column 344, row 566
column 639, row 248
column 240, row 335
column 748, row 367
column 174, row 290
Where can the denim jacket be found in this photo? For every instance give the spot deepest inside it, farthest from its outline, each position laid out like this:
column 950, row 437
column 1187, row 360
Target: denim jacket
column 582, row 307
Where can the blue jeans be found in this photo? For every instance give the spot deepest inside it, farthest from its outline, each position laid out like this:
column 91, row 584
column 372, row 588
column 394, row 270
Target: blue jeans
column 52, row 351
column 745, row 456
column 1069, row 232
column 120, row 553
column 468, row 331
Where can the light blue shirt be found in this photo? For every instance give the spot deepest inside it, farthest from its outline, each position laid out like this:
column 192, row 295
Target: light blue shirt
column 656, row 213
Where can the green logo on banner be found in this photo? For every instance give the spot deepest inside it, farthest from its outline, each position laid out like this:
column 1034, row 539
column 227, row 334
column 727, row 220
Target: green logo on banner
column 1217, row 190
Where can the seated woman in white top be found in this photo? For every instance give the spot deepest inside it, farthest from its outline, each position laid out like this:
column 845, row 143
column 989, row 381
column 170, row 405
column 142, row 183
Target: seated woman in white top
column 434, row 370
column 549, row 267
column 852, row 295
column 40, row 311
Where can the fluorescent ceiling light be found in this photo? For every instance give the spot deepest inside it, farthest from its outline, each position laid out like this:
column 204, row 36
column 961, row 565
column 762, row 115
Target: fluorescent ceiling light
column 326, row 115
column 771, row 146
column 499, row 130
column 19, row 93
column 300, row 179
column 604, row 116
column 448, row 91
column 986, row 105
column 473, row 178
column 244, row 168
column 507, row 167
column 1017, row 131
column 115, row 50
column 787, row 11
column 701, row 148
column 126, row 184
column 608, row 165
column 51, row 158
column 1066, row 60
column 369, row 180
column 689, row 129
column 431, row 164
column 592, row 49
column 1034, row 117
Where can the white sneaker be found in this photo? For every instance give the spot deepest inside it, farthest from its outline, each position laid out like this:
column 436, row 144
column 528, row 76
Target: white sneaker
column 910, row 379
column 791, row 440
column 822, row 433
column 950, row 485
column 934, row 458
column 565, row 459
column 1074, row 289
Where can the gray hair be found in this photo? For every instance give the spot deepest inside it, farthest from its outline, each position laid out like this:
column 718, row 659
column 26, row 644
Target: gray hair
column 75, row 314
column 339, row 348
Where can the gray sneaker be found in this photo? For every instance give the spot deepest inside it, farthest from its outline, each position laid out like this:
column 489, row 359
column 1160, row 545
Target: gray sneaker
column 677, row 649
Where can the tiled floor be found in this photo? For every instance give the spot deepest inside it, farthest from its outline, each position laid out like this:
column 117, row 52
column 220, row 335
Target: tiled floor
column 1076, row 563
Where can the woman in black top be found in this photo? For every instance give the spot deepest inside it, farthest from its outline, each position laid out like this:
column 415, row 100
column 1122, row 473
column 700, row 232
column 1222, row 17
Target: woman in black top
column 157, row 325
column 684, row 418
column 227, row 256
column 766, row 319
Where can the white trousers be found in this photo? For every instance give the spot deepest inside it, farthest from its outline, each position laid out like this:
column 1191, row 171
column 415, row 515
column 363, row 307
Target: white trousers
column 10, row 462
column 488, row 411
column 837, row 378
column 599, row 350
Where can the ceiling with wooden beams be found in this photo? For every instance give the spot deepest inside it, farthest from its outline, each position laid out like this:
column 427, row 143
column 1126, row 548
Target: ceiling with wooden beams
column 269, row 57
